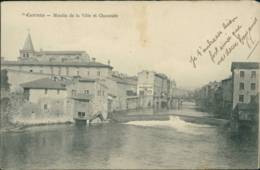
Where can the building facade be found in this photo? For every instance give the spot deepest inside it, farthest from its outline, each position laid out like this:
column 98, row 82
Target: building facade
column 245, row 82
column 62, row 63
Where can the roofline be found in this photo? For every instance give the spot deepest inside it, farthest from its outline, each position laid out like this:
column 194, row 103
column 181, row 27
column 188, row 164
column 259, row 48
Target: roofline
column 227, row 79
column 86, row 80
column 43, row 88
column 63, row 64
column 233, row 63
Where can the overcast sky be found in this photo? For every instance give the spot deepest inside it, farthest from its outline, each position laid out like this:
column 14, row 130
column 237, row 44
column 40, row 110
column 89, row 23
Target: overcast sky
column 159, row 36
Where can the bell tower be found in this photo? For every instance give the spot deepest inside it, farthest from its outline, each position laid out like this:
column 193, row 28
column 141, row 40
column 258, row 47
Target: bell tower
column 28, row 51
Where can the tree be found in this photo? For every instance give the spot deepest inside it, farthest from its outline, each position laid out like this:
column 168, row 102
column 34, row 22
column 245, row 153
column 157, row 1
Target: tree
column 4, row 80
column 10, row 107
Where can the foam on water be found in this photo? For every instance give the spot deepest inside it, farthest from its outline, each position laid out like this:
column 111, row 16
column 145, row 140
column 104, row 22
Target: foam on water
column 174, row 122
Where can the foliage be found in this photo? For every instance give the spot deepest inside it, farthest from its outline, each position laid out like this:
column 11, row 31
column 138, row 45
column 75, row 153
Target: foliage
column 10, row 107
column 4, row 80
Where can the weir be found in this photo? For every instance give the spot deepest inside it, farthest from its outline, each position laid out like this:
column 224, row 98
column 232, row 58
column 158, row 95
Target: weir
column 193, row 119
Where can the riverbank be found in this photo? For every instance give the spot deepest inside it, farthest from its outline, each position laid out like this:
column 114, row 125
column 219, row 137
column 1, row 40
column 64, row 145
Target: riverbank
column 16, row 127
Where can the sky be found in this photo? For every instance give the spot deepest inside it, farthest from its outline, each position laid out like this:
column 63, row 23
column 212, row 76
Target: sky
column 159, row 36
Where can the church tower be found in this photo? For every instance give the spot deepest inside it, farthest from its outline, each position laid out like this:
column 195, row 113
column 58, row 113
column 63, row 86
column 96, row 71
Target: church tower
column 28, row 50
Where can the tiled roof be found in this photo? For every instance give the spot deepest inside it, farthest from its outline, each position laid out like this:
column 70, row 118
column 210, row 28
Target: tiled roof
column 59, row 52
column 45, row 83
column 227, row 79
column 28, row 46
column 83, row 96
column 58, row 64
column 118, row 80
column 244, row 65
column 86, row 80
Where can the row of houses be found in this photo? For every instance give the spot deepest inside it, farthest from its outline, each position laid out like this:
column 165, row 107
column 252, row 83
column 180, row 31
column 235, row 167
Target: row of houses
column 68, row 83
column 235, row 98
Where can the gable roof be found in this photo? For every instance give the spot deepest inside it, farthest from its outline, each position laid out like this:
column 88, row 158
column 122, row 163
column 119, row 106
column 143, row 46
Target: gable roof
column 45, row 83
column 28, row 46
column 244, row 65
column 82, row 96
column 58, row 64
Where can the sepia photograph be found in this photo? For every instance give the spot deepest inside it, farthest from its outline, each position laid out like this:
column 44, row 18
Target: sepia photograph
column 130, row 85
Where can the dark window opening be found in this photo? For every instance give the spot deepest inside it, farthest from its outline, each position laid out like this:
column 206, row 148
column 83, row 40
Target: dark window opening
column 45, row 91
column 253, row 74
column 45, row 107
column 241, row 86
column 252, row 86
column 241, row 98
column 242, row 74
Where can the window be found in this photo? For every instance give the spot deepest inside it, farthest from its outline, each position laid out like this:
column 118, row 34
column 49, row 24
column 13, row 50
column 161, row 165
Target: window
column 252, row 86
column 45, row 106
column 241, row 98
column 252, row 98
column 59, row 71
column 253, row 74
column 40, row 69
column 103, row 93
column 241, row 86
column 45, row 91
column 86, row 91
column 87, row 71
column 27, row 55
column 242, row 74
column 58, row 102
column 98, row 72
column 73, row 92
column 81, row 114
column 147, row 75
column 67, row 71
column 23, row 55
column 99, row 93
column 77, row 70
column 31, row 70
column 58, row 92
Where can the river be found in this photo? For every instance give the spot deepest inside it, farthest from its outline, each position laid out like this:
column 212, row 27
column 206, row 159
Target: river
column 153, row 144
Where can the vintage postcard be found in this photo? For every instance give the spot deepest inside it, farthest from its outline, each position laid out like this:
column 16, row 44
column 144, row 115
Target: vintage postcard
column 130, row 85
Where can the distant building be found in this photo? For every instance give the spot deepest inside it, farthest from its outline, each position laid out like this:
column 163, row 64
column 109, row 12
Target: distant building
column 28, row 54
column 227, row 96
column 155, row 89
column 62, row 63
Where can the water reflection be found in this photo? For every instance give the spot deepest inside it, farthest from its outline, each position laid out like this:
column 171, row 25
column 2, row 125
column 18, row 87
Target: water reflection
column 113, row 145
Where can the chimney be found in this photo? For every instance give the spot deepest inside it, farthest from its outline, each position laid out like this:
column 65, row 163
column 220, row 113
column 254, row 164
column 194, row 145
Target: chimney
column 108, row 62
column 93, row 60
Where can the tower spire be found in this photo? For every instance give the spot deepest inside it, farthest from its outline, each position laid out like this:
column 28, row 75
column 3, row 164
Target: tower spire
column 28, row 46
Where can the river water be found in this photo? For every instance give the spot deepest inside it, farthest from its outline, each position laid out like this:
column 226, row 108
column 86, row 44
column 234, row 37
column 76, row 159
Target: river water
column 168, row 144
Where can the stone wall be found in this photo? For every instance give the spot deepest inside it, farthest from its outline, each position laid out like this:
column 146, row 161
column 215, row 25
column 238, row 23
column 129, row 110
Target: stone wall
column 15, row 78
